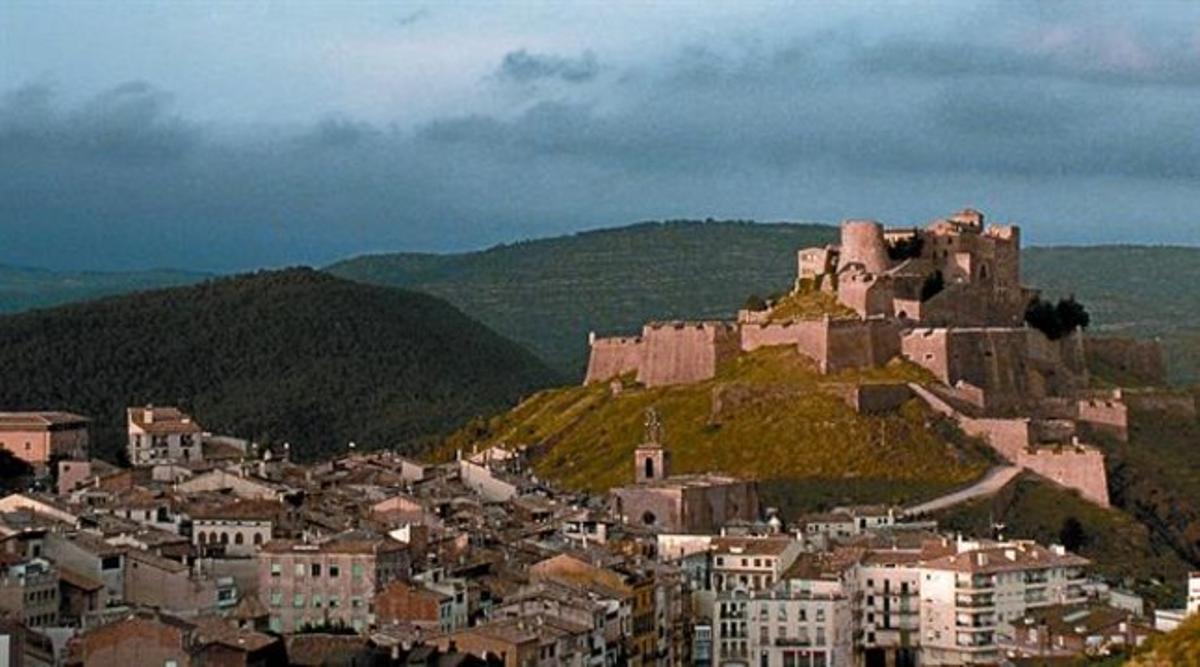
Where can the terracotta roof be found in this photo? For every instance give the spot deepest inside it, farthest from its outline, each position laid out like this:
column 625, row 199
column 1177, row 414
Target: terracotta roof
column 164, row 421
column 78, row 580
column 147, row 558
column 751, row 546
column 216, row 630
column 239, row 509
column 12, row 421
column 1006, row 558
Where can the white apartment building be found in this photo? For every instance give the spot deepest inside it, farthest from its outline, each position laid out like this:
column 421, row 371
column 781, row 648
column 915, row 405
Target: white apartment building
column 751, row 563
column 970, row 596
column 1193, row 599
column 163, row 435
column 806, row 619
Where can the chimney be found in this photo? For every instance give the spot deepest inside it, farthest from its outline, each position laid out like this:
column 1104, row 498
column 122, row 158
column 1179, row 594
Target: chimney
column 148, row 415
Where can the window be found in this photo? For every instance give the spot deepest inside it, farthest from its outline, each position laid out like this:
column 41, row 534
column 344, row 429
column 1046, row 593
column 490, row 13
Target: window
column 334, row 602
column 276, row 569
column 316, row 600
column 276, row 624
column 356, row 570
column 316, row 569
column 276, row 598
column 239, row 539
column 299, row 569
column 298, row 600
column 110, row 563
column 334, row 571
column 356, row 602
column 258, row 538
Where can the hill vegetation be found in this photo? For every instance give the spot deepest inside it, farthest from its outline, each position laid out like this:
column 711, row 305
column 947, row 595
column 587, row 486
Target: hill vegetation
column 1122, row 549
column 768, row 415
column 295, row 355
column 548, row 294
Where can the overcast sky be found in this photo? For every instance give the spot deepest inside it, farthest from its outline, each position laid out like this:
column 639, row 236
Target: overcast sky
column 226, row 136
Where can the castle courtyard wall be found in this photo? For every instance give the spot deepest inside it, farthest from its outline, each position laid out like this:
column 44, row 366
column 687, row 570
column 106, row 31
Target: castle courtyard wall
column 1076, row 467
column 1141, row 359
column 685, row 352
column 613, row 357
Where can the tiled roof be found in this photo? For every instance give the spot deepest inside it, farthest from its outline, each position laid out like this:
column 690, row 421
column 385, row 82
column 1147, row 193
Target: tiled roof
column 13, row 421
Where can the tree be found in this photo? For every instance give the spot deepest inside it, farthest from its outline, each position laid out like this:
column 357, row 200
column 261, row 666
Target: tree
column 755, row 303
column 1071, row 534
column 13, row 471
column 1058, row 320
column 905, row 248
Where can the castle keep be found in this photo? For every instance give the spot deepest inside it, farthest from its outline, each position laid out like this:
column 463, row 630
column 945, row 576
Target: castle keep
column 947, row 297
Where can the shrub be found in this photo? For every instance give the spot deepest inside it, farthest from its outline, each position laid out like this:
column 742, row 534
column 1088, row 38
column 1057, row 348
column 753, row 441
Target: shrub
column 755, row 303
column 1059, row 320
column 905, row 248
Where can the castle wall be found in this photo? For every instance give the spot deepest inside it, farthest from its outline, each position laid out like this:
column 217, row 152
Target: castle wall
column 612, row 357
column 807, row 334
column 860, row 344
column 685, row 352
column 1105, row 415
column 1181, row 405
column 868, row 294
column 1076, row 467
column 862, row 243
column 879, row 398
column 1140, row 359
column 1009, row 437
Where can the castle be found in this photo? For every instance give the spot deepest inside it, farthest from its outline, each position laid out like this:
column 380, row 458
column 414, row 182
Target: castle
column 947, row 297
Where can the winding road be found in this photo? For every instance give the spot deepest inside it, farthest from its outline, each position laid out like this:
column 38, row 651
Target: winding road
column 992, row 482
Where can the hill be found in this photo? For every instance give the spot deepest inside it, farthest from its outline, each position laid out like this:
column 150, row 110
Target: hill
column 295, row 355
column 25, row 289
column 548, row 294
column 768, row 415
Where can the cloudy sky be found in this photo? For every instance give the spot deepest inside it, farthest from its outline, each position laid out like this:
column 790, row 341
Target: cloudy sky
column 225, row 136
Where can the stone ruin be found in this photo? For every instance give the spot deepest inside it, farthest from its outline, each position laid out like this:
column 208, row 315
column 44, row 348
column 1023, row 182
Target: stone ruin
column 947, row 297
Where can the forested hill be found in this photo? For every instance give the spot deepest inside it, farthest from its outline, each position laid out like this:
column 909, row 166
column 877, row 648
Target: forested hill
column 548, row 294
column 295, row 355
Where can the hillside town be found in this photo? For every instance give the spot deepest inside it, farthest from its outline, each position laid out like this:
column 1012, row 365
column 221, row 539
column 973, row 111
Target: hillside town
column 212, row 550
column 206, row 549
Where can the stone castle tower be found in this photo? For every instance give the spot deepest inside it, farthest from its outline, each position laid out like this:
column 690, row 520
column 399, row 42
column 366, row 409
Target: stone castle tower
column 651, row 461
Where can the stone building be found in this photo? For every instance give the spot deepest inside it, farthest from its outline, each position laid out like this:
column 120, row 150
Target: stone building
column 163, row 435
column 334, row 581
column 237, row 528
column 700, row 503
column 36, row 437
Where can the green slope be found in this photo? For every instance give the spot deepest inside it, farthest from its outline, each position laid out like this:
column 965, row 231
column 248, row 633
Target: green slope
column 778, row 420
column 296, row 355
column 548, row 294
column 25, row 288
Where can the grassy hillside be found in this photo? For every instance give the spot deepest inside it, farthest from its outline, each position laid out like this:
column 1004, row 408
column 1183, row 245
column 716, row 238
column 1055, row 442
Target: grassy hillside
column 294, row 355
column 776, row 422
column 1121, row 548
column 25, row 289
column 548, row 294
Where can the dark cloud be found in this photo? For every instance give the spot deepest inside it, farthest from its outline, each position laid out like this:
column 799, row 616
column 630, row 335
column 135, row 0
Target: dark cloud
column 130, row 123
column 525, row 67
column 824, row 127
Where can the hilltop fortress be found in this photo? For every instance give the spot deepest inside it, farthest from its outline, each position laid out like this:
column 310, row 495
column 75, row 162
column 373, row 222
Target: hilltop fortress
column 947, row 297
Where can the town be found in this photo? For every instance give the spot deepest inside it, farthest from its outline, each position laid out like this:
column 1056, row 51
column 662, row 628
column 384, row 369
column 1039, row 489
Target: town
column 205, row 549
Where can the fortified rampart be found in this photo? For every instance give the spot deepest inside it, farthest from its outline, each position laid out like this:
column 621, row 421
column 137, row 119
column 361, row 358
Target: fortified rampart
column 612, row 357
column 1139, row 360
column 685, row 352
column 1074, row 466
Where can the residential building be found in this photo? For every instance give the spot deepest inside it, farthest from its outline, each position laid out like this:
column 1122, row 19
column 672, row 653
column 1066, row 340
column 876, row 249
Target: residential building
column 968, row 597
column 29, row 590
column 163, row 435
column 330, row 582
column 236, row 528
column 38, row 437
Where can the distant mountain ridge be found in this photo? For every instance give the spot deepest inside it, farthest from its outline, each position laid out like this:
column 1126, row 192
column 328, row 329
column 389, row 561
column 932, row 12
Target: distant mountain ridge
column 23, row 288
column 295, row 355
